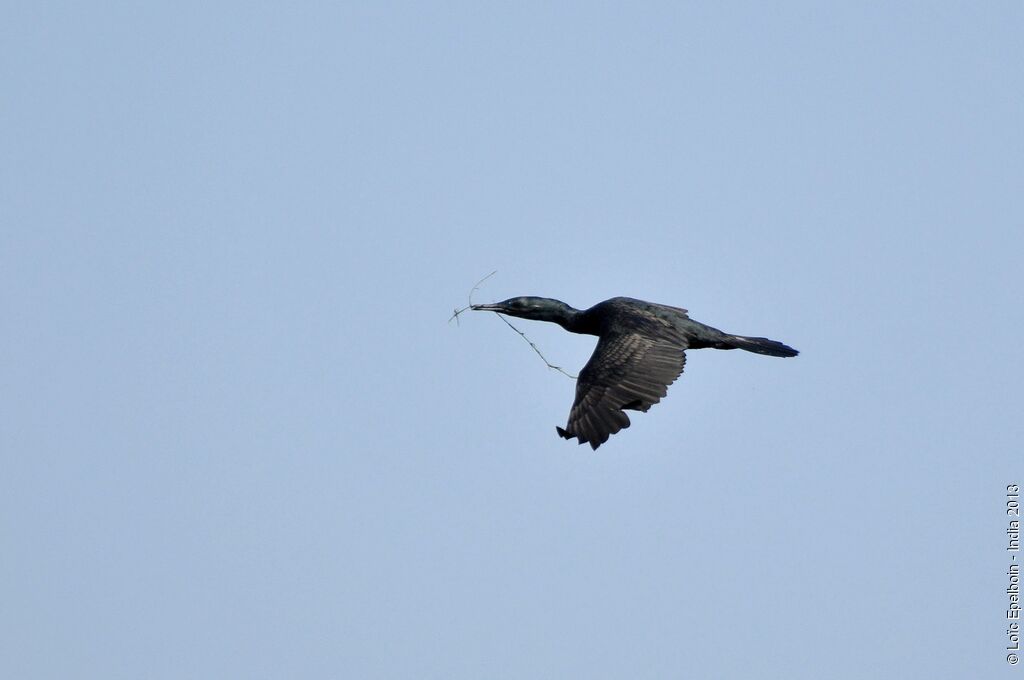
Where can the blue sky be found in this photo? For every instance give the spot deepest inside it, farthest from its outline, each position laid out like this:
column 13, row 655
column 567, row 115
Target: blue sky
column 240, row 440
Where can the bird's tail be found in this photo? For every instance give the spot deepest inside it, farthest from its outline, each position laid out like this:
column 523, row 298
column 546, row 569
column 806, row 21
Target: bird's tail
column 772, row 348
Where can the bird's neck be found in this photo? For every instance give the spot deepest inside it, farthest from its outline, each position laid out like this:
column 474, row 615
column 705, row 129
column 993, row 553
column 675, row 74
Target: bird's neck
column 569, row 318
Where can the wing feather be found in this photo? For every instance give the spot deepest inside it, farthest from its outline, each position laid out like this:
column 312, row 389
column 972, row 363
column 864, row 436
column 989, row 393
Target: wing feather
column 630, row 370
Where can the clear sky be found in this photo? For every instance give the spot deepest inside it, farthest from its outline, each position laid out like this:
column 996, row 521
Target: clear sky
column 239, row 438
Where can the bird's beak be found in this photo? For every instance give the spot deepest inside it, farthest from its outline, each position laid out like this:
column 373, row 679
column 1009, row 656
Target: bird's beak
column 487, row 308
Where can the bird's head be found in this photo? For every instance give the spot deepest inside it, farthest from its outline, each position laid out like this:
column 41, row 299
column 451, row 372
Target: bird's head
column 530, row 307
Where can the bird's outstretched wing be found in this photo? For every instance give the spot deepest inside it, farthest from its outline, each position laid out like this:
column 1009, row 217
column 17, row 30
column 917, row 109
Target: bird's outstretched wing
column 627, row 371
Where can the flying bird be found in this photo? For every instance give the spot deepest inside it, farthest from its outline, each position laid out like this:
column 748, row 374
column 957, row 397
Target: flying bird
column 641, row 350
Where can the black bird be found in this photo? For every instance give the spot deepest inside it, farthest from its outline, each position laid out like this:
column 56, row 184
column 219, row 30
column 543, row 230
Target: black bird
column 640, row 352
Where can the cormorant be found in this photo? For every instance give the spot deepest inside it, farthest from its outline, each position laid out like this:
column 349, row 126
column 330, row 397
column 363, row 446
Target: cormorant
column 640, row 352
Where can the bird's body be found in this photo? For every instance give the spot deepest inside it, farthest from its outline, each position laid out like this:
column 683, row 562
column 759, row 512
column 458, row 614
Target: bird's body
column 639, row 353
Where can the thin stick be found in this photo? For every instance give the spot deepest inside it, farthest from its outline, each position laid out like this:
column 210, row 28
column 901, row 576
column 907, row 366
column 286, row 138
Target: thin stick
column 530, row 342
column 475, row 288
column 470, row 298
